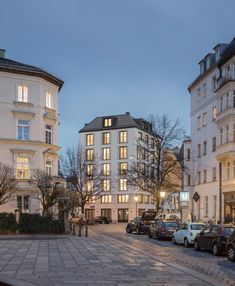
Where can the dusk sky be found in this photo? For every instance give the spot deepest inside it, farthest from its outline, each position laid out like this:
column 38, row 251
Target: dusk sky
column 116, row 55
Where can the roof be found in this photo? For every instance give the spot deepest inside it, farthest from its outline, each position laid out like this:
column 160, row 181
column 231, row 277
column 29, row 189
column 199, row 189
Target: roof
column 118, row 122
column 7, row 65
column 228, row 53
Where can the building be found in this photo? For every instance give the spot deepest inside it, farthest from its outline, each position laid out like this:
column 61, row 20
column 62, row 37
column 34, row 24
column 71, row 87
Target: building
column 213, row 135
column 113, row 139
column 28, row 126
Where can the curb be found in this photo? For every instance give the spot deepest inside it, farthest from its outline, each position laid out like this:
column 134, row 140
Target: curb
column 14, row 281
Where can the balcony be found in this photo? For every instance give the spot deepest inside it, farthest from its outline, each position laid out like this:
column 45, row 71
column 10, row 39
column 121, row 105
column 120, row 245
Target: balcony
column 225, row 151
column 226, row 113
column 222, row 81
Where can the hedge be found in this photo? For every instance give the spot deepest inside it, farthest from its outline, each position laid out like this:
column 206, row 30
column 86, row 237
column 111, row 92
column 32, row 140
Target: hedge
column 7, row 223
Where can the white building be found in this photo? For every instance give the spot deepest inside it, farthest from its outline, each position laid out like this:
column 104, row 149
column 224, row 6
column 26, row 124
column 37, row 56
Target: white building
column 113, row 140
column 213, row 135
column 28, row 126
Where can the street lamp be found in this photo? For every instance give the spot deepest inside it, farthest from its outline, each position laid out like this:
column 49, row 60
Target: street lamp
column 136, row 203
column 162, row 196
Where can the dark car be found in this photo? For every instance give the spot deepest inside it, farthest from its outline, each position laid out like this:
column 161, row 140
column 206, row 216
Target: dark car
column 230, row 247
column 141, row 224
column 162, row 229
column 103, row 220
column 214, row 238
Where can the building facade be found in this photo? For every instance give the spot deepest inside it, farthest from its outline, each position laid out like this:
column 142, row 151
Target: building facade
column 113, row 140
column 28, row 127
column 213, row 135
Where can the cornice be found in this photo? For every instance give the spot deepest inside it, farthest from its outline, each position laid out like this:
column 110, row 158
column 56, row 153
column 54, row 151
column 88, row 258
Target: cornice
column 29, row 143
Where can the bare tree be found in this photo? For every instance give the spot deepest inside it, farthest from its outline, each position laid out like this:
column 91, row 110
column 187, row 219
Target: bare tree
column 48, row 189
column 158, row 164
column 8, row 183
column 83, row 176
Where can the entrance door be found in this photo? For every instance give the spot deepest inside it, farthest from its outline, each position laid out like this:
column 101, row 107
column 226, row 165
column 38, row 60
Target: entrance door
column 123, row 215
column 90, row 214
column 106, row 213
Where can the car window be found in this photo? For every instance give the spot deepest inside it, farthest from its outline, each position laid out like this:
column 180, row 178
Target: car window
column 182, row 226
column 170, row 224
column 197, row 226
column 214, row 229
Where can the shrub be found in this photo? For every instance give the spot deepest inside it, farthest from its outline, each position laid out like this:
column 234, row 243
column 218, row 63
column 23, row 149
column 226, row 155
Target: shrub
column 7, row 223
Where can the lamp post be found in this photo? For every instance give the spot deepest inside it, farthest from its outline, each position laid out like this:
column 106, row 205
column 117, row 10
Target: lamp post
column 136, row 203
column 162, row 196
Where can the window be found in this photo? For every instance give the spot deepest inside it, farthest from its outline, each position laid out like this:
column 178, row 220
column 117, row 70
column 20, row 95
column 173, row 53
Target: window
column 90, row 185
column 198, row 122
column 214, row 174
column 146, row 199
column 204, row 119
column 89, row 169
column 140, row 136
column 214, row 205
column 22, row 168
column 204, row 89
column 123, row 199
column 107, row 122
column 213, row 144
column 89, row 139
column 123, row 168
column 227, row 134
column 221, row 103
column 213, row 113
column 23, row 130
column 89, row 154
column 49, row 100
column 106, row 199
column 106, row 185
column 188, row 154
column 189, row 180
column 23, row 203
column 48, row 167
column 123, row 152
column 213, row 83
column 234, row 169
column 227, row 100
column 198, row 150
column 123, row 184
column 228, row 170
column 206, row 205
column 106, row 169
column 140, row 153
column 233, row 132
column 106, row 138
column 221, row 136
column 48, row 134
column 140, row 199
column 106, row 154
column 204, row 148
column 204, row 176
column 122, row 136
column 22, row 93
column 199, row 178
column 199, row 92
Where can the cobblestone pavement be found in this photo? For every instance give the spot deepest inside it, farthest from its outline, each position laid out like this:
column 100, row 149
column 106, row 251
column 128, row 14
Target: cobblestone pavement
column 107, row 257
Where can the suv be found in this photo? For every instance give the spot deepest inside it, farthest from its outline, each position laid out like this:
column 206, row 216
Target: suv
column 141, row 224
column 230, row 247
column 162, row 229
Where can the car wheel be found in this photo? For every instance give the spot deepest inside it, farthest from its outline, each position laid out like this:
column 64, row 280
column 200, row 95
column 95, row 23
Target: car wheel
column 186, row 244
column 231, row 253
column 173, row 240
column 137, row 230
column 196, row 245
column 128, row 230
column 215, row 249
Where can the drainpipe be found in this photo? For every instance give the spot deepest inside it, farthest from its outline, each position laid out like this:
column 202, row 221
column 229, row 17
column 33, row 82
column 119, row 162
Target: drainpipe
column 220, row 192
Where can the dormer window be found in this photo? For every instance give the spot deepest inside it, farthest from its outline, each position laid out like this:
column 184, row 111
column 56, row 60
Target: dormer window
column 202, row 67
column 22, row 93
column 49, row 100
column 107, row 122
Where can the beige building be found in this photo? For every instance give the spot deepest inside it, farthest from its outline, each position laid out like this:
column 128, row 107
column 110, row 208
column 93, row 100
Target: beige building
column 28, row 126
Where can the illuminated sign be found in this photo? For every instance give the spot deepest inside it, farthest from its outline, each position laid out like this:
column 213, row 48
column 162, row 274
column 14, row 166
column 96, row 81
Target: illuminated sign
column 184, row 196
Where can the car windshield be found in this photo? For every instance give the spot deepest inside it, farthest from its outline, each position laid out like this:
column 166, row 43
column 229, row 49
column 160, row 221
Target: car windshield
column 171, row 224
column 197, row 226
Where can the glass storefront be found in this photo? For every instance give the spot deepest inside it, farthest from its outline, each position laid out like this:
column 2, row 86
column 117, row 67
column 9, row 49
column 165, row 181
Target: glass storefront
column 229, row 207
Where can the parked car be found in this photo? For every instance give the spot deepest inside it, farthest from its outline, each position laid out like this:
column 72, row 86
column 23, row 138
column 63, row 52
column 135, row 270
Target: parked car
column 172, row 216
column 162, row 229
column 141, row 224
column 103, row 220
column 187, row 232
column 230, row 247
column 214, row 238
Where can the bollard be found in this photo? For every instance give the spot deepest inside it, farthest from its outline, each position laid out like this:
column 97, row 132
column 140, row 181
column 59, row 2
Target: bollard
column 80, row 231
column 86, row 231
column 73, row 228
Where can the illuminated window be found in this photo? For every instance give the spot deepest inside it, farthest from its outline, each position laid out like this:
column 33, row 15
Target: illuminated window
column 106, row 199
column 49, row 100
column 123, row 168
column 123, row 199
column 89, row 170
column 123, row 152
column 106, row 154
column 106, row 185
column 123, row 184
column 90, row 186
column 140, row 199
column 107, row 122
column 22, row 168
column 122, row 136
column 146, row 199
column 22, row 93
column 106, row 138
column 91, row 200
column 48, row 168
column 23, row 130
column 48, row 134
column 106, row 169
column 89, row 154
column 89, row 139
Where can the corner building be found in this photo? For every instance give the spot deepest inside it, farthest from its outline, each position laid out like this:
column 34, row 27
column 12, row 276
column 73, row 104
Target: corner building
column 213, row 135
column 28, row 126
column 113, row 140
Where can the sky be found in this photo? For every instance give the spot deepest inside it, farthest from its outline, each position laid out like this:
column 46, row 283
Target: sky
column 116, row 56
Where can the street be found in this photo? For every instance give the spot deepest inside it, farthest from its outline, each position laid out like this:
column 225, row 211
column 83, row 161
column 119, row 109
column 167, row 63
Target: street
column 108, row 256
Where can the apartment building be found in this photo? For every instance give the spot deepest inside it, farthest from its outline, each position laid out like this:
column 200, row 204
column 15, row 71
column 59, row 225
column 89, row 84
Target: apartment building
column 213, row 135
column 28, row 126
column 113, row 140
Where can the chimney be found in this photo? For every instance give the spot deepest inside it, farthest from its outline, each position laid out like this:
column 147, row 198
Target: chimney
column 2, row 53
